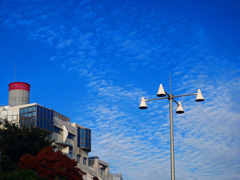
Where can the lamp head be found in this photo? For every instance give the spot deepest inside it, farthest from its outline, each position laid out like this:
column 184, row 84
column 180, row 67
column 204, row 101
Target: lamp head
column 179, row 108
column 143, row 104
column 161, row 92
column 199, row 97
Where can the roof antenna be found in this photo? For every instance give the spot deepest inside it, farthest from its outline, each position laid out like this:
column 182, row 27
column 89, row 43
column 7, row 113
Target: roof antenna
column 14, row 70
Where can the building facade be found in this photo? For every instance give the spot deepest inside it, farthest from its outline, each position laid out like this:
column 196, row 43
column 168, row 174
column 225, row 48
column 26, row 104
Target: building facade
column 72, row 139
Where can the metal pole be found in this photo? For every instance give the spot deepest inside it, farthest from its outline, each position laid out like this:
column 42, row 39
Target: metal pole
column 171, row 138
column 171, row 131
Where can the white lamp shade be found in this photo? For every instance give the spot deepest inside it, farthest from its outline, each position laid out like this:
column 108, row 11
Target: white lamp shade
column 143, row 104
column 161, row 92
column 179, row 108
column 199, row 97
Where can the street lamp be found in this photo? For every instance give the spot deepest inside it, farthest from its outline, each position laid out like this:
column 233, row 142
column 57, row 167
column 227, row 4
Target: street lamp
column 161, row 93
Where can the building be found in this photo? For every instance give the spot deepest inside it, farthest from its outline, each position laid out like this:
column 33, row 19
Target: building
column 117, row 177
column 72, row 139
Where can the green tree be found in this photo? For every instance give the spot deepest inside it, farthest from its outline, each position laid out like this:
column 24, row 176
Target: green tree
column 16, row 141
column 21, row 174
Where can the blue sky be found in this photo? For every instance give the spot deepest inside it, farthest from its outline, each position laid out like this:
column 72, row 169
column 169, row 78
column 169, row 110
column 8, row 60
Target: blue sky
column 93, row 61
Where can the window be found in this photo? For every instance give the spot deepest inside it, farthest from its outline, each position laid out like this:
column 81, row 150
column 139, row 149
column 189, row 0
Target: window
column 78, row 158
column 71, row 136
column 29, row 109
column 78, row 137
column 82, row 130
column 84, row 161
column 44, row 121
column 84, row 138
column 58, row 130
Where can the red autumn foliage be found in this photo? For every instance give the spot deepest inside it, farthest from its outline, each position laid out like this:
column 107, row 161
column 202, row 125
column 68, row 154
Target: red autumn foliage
column 50, row 164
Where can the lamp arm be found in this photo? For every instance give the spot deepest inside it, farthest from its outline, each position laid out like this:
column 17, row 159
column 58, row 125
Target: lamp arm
column 167, row 94
column 156, row 99
column 185, row 95
column 175, row 102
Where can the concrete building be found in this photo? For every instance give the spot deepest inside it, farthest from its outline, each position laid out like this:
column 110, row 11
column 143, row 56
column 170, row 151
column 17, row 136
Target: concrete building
column 72, row 139
column 117, row 177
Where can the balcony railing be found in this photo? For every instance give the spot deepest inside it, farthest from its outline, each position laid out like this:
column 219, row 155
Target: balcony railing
column 88, row 169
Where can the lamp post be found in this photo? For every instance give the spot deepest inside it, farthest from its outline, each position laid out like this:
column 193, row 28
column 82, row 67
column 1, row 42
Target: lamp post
column 161, row 93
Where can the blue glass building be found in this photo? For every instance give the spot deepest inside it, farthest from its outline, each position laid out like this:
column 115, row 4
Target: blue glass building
column 36, row 116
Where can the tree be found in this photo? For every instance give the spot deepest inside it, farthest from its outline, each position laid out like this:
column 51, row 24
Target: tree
column 21, row 174
column 15, row 141
column 52, row 165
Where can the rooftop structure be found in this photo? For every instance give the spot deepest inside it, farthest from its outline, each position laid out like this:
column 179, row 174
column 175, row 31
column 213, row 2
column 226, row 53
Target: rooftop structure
column 19, row 93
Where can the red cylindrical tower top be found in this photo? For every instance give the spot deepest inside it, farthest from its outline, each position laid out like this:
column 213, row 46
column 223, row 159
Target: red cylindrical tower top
column 19, row 85
column 18, row 93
